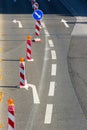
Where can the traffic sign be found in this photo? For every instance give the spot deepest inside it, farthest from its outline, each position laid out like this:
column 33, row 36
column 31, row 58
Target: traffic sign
column 37, row 14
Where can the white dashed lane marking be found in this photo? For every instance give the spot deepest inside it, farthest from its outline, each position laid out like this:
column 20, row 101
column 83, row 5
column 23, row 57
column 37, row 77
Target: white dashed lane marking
column 53, row 69
column 53, row 54
column 51, row 44
column 51, row 89
column 48, row 115
column 49, row 107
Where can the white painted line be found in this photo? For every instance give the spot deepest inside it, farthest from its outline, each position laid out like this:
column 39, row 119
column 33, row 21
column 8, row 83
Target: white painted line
column 48, row 114
column 51, row 43
column 53, row 54
column 43, row 25
column 35, row 94
column 53, row 70
column 65, row 23
column 46, row 32
column 45, row 29
column 20, row 24
column 51, row 89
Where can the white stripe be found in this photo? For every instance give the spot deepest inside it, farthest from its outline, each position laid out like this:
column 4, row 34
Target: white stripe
column 53, row 54
column 51, row 89
column 29, row 47
column 10, row 128
column 28, row 54
column 45, row 29
column 38, row 24
column 38, row 32
column 10, row 116
column 43, row 25
column 22, row 81
column 22, row 71
column 54, row 69
column 51, row 43
column 48, row 114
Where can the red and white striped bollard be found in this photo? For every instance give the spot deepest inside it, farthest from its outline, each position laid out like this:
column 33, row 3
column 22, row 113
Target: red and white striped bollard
column 35, row 6
column 11, row 114
column 37, row 27
column 22, row 73
column 29, row 49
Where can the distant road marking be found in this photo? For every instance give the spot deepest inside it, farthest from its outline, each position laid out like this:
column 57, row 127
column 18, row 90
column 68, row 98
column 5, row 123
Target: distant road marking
column 51, row 43
column 45, row 29
column 51, row 89
column 53, row 70
column 65, row 23
column 48, row 114
column 19, row 23
column 53, row 54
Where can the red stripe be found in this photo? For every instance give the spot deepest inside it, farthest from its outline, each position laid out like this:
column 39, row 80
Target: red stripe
column 22, row 76
column 29, row 42
column 29, row 51
column 22, row 84
column 28, row 58
column 22, row 65
column 39, row 22
column 12, row 112
column 11, row 123
column 36, row 34
column 37, row 27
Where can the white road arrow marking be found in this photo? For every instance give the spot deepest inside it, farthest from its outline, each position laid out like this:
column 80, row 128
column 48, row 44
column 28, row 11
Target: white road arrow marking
column 35, row 94
column 65, row 23
column 19, row 23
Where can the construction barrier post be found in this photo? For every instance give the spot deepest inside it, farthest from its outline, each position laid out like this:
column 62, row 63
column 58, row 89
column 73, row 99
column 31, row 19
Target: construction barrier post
column 22, row 72
column 33, row 1
column 29, row 49
column 37, row 27
column 11, row 114
column 35, row 6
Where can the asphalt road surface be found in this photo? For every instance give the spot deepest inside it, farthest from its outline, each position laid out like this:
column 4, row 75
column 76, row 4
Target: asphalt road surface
column 50, row 102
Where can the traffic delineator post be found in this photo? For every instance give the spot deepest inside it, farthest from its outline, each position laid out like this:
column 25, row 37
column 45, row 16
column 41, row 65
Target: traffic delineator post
column 33, row 1
column 37, row 27
column 23, row 81
column 11, row 114
column 22, row 72
column 29, row 49
column 35, row 6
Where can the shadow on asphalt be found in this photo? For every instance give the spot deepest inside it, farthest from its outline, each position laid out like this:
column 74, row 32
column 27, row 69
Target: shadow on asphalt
column 25, row 7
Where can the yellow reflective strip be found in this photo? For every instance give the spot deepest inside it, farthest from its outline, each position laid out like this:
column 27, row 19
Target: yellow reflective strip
column 0, row 77
column 1, row 49
column 1, row 125
column 1, row 96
